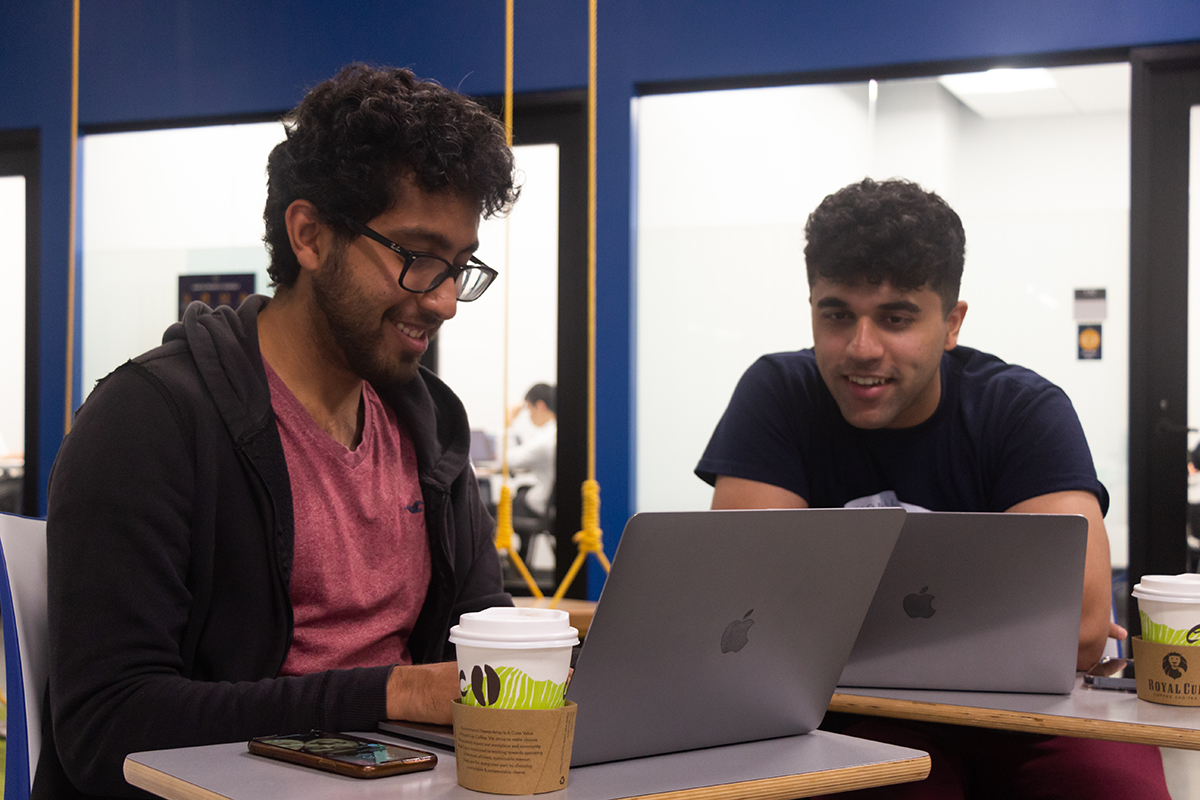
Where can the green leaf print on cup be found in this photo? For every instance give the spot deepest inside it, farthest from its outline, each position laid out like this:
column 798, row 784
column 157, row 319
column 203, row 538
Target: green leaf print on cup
column 1153, row 632
column 516, row 690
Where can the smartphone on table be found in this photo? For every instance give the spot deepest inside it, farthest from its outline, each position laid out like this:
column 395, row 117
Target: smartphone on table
column 1112, row 673
column 343, row 753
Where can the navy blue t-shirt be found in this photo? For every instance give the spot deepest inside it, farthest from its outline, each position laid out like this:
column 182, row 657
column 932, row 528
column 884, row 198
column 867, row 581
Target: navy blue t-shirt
column 1001, row 434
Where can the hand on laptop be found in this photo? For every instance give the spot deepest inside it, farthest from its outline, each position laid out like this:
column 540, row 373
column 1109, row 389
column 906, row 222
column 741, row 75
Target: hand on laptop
column 422, row 692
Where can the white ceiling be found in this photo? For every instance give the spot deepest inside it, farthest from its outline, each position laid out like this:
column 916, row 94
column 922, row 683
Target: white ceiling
column 1056, row 91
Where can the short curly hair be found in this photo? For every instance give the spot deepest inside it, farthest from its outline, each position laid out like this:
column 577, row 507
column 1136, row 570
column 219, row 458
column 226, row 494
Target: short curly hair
column 893, row 231
column 543, row 392
column 354, row 136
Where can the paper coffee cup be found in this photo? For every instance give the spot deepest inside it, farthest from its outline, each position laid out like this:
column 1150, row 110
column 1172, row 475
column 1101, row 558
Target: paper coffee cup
column 514, row 657
column 1169, row 608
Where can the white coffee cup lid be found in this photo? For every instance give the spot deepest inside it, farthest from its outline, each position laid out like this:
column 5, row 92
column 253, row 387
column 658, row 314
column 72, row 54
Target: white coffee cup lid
column 506, row 628
column 1183, row 588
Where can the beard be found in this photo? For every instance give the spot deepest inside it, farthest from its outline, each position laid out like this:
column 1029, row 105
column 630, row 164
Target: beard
column 356, row 328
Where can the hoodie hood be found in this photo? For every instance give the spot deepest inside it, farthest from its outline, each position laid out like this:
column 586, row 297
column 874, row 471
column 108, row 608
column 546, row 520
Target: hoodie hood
column 224, row 347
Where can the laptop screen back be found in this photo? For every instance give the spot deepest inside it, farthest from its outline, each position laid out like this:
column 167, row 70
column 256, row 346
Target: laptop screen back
column 976, row 602
column 724, row 626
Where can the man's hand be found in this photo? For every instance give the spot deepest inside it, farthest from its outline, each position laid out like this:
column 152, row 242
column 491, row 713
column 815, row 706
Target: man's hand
column 423, row 692
column 515, row 412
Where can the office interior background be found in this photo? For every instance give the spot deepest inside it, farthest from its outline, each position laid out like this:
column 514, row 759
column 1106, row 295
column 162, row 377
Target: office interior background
column 720, row 125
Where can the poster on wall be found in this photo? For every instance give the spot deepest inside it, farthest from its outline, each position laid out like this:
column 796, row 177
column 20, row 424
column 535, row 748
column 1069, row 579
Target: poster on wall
column 1091, row 305
column 1090, row 342
column 1091, row 309
column 215, row 290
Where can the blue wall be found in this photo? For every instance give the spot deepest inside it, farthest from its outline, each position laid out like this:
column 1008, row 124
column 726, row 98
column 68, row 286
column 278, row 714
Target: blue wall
column 146, row 60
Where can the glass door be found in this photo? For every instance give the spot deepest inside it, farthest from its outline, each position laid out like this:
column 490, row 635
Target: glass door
column 1193, row 349
column 12, row 333
column 138, row 253
column 19, row 181
column 1035, row 161
column 1165, row 90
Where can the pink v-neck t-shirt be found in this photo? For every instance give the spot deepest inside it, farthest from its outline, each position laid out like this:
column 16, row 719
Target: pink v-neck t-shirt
column 361, row 565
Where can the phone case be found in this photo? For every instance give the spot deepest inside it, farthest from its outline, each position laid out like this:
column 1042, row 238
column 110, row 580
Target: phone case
column 262, row 748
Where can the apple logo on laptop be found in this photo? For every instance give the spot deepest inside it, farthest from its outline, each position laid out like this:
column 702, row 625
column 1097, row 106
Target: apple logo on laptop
column 736, row 634
column 920, row 606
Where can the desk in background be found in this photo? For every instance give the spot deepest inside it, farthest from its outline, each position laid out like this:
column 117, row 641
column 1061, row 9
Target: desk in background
column 12, row 471
column 579, row 611
column 489, row 479
column 1088, row 713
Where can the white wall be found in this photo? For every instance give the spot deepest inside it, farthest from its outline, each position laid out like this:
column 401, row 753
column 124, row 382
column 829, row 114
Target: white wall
column 1045, row 204
column 726, row 180
column 471, row 346
column 157, row 205
column 12, row 314
column 160, row 204
column 1193, row 415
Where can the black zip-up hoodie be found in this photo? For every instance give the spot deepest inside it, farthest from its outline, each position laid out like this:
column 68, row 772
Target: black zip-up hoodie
column 170, row 539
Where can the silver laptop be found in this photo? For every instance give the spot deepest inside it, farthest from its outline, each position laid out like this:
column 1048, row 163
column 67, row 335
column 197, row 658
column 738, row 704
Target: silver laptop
column 976, row 602
column 717, row 627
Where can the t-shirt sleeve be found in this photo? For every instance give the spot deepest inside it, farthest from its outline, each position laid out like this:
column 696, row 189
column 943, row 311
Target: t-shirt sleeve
column 1042, row 449
column 760, row 436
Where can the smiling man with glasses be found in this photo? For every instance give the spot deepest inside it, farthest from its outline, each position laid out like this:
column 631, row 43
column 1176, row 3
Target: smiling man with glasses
column 270, row 522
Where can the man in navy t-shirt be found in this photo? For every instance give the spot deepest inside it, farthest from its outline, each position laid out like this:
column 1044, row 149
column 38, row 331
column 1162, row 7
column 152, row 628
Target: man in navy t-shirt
column 886, row 409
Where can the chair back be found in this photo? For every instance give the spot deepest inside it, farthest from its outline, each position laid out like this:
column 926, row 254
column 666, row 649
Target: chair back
column 26, row 642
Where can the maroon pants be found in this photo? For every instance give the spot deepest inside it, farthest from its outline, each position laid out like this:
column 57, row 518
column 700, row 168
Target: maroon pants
column 971, row 763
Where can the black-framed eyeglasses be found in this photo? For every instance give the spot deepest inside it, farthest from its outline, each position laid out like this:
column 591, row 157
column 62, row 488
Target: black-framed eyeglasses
column 424, row 272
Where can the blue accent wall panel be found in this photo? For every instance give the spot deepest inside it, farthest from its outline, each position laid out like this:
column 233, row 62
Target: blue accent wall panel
column 190, row 58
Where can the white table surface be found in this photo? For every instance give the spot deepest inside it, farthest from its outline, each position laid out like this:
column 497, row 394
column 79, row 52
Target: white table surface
column 768, row 769
column 1092, row 713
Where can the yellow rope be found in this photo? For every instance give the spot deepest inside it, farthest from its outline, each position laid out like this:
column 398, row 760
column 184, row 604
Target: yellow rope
column 504, row 526
column 71, row 223
column 504, row 542
column 591, row 255
column 590, row 539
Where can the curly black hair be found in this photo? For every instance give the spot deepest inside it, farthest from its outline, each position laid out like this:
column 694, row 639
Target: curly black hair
column 894, row 231
column 354, row 136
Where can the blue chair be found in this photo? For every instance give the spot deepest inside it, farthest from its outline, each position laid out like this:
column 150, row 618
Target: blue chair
column 26, row 641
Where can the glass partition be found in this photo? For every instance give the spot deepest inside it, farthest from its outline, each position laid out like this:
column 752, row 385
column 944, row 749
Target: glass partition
column 1036, row 162
column 472, row 358
column 158, row 205
column 471, row 355
column 1193, row 349
column 174, row 215
column 12, row 334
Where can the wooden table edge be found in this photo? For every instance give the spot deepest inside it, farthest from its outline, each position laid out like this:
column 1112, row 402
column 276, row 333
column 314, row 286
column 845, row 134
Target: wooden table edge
column 164, row 785
column 844, row 779
column 806, row 784
column 1025, row 721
